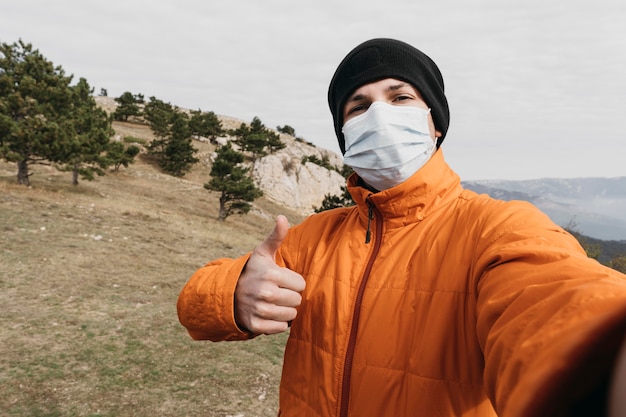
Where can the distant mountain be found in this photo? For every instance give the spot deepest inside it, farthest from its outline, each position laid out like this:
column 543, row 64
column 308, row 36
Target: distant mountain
column 596, row 206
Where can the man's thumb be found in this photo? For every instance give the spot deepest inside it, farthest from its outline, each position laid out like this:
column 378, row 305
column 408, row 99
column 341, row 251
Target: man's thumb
column 272, row 242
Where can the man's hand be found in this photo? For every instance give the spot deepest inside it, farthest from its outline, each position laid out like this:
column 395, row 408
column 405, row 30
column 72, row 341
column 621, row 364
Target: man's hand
column 267, row 295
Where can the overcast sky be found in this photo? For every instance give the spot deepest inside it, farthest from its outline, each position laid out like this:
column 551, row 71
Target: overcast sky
column 536, row 88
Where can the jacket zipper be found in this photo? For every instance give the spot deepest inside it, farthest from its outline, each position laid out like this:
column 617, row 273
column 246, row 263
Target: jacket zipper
column 370, row 215
column 347, row 369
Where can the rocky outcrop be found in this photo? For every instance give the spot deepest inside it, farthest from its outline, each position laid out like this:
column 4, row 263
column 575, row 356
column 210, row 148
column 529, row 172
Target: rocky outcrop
column 283, row 177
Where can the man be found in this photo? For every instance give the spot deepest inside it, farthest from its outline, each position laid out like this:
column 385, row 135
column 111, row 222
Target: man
column 424, row 299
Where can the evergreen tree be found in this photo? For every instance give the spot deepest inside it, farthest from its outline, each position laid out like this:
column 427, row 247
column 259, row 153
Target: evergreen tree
column 206, row 125
column 257, row 139
column 334, row 201
column 245, row 140
column 232, row 181
column 159, row 116
column 119, row 155
column 35, row 100
column 178, row 156
column 324, row 162
column 128, row 105
column 288, row 130
column 172, row 145
column 274, row 144
column 82, row 149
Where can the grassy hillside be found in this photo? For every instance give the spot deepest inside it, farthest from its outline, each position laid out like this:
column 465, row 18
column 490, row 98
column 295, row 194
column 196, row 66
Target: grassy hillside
column 89, row 277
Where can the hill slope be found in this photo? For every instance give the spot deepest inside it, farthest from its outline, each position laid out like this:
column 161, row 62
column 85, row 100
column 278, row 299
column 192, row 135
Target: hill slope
column 89, row 277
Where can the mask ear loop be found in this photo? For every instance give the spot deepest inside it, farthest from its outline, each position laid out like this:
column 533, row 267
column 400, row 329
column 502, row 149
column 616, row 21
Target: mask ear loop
column 439, row 139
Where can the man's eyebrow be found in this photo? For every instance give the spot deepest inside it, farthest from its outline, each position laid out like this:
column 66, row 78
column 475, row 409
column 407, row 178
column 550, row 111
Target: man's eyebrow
column 397, row 86
column 393, row 87
column 357, row 97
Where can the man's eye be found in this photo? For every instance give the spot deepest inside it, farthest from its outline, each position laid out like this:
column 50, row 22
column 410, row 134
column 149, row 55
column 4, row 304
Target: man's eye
column 402, row 98
column 355, row 109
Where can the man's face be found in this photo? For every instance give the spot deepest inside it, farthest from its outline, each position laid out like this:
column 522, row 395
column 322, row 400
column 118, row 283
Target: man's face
column 390, row 91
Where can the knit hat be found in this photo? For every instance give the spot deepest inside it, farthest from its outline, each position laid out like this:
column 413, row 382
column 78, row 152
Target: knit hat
column 378, row 59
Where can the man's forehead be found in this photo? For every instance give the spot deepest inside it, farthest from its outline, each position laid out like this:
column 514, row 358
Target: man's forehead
column 387, row 84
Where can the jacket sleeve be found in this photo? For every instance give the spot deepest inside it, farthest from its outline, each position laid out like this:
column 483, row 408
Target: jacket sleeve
column 550, row 320
column 206, row 304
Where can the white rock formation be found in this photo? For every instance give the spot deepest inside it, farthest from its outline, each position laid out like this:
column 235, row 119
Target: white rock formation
column 301, row 187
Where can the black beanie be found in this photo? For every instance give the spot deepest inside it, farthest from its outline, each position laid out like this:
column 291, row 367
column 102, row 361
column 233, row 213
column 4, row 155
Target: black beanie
column 378, row 59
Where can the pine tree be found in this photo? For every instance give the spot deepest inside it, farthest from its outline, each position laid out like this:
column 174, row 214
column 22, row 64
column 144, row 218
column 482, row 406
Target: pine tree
column 335, row 201
column 274, row 144
column 205, row 125
column 257, row 139
column 128, row 105
column 35, row 103
column 172, row 145
column 178, row 155
column 159, row 116
column 288, row 130
column 119, row 155
column 232, row 181
column 243, row 138
column 83, row 148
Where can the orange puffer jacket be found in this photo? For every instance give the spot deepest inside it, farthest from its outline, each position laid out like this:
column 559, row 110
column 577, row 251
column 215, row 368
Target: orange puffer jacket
column 430, row 300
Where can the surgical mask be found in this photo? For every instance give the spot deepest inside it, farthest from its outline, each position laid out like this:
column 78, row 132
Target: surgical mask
column 387, row 144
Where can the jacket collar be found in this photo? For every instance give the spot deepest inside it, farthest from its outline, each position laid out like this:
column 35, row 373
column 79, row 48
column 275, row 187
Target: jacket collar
column 431, row 187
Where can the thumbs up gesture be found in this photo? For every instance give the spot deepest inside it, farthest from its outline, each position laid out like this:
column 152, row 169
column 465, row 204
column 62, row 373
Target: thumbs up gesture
column 267, row 295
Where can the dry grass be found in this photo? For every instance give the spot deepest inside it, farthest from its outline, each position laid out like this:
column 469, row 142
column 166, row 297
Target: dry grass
column 89, row 277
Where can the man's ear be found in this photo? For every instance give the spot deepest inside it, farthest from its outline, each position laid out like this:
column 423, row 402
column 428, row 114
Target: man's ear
column 438, row 139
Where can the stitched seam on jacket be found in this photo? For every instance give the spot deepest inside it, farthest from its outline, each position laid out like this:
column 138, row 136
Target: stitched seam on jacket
column 430, row 378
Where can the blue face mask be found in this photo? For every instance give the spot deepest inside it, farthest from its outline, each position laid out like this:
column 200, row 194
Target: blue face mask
column 387, row 144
